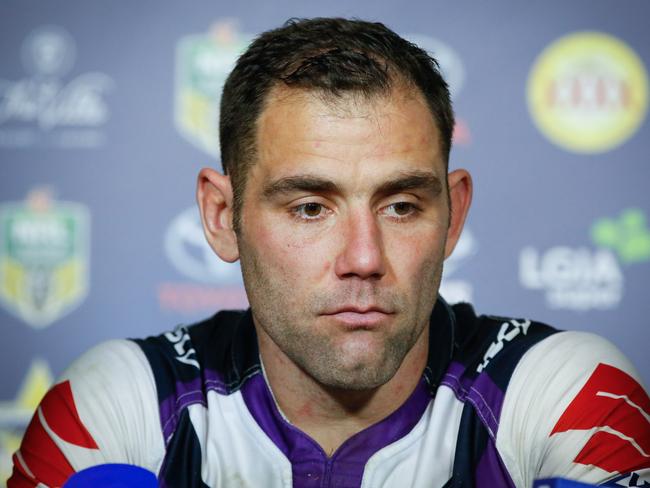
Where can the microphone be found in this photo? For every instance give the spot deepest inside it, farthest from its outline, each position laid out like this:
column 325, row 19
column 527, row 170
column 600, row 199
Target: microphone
column 559, row 483
column 112, row 476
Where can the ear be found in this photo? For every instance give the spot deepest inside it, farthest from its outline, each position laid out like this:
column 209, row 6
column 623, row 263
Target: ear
column 460, row 198
column 214, row 196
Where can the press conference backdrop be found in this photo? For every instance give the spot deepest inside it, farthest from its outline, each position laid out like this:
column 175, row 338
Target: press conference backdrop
column 109, row 109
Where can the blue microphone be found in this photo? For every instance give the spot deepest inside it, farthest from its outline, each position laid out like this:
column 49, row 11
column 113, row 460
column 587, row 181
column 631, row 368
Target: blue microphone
column 559, row 483
column 112, row 476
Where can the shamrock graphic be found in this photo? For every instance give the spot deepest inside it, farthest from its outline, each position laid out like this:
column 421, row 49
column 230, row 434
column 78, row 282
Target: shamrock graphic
column 628, row 235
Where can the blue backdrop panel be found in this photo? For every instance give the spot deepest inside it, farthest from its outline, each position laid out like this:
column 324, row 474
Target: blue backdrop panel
column 108, row 110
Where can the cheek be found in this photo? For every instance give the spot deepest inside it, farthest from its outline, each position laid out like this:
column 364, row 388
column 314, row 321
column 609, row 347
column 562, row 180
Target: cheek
column 417, row 255
column 294, row 254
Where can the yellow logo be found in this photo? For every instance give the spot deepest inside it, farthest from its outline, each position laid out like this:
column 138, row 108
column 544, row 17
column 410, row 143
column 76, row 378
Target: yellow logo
column 43, row 257
column 588, row 92
column 203, row 62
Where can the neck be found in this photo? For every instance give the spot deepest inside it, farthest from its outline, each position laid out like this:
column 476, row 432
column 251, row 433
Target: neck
column 332, row 415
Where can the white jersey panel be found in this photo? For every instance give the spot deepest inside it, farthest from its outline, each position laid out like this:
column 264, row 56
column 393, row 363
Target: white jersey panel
column 543, row 385
column 425, row 456
column 115, row 395
column 236, row 452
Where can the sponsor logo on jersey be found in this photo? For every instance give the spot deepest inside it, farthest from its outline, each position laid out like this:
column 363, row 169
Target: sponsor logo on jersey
column 43, row 258
column 213, row 284
column 453, row 71
column 613, row 411
column 15, row 414
column 186, row 355
column 46, row 107
column 459, row 290
column 588, row 92
column 507, row 332
column 203, row 62
column 584, row 278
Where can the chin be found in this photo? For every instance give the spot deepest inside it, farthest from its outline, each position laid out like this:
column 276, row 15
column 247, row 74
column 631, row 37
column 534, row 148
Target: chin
column 357, row 384
column 364, row 375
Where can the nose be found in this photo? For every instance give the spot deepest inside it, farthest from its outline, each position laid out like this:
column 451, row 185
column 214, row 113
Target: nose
column 362, row 254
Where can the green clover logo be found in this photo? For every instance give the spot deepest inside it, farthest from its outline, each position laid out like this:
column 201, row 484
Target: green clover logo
column 628, row 235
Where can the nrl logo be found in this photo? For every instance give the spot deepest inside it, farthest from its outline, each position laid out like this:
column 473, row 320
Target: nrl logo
column 43, row 258
column 203, row 62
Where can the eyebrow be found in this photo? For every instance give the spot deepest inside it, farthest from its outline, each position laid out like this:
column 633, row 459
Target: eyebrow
column 412, row 180
column 404, row 181
column 306, row 183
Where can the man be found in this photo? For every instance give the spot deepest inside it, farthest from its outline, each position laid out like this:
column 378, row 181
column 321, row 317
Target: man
column 348, row 369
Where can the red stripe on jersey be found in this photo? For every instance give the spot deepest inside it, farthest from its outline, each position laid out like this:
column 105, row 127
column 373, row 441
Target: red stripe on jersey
column 61, row 415
column 611, row 453
column 611, row 398
column 39, row 451
column 20, row 478
column 42, row 456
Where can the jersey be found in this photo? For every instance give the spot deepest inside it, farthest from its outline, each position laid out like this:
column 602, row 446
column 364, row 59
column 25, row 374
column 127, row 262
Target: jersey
column 501, row 402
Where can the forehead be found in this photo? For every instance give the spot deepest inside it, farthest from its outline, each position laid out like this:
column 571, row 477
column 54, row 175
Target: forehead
column 301, row 130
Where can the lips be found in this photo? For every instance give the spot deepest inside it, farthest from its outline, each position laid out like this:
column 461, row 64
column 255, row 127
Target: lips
column 360, row 317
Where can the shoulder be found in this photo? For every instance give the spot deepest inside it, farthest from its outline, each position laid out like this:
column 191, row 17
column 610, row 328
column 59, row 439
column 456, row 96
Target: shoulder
column 198, row 342
column 102, row 410
column 574, row 407
column 112, row 388
column 494, row 345
column 557, row 369
column 574, row 354
column 109, row 362
column 219, row 346
column 112, row 379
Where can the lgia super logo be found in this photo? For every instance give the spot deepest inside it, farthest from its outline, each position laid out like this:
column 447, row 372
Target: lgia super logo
column 589, row 277
column 203, row 62
column 588, row 92
column 43, row 257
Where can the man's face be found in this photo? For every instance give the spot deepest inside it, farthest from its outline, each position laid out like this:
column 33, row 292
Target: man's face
column 343, row 232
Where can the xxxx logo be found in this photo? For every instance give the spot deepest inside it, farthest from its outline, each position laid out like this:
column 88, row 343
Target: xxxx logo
column 615, row 408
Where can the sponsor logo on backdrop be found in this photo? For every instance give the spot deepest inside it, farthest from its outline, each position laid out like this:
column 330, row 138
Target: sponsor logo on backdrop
column 628, row 236
column 588, row 92
column 211, row 283
column 453, row 71
column 43, row 257
column 15, row 414
column 48, row 107
column 573, row 278
column 203, row 62
column 584, row 278
column 458, row 290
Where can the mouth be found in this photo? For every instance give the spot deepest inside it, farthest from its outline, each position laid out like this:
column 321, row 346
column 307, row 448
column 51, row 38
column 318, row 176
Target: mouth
column 356, row 317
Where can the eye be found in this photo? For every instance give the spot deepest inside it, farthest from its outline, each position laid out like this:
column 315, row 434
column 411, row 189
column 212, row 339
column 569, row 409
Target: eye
column 309, row 211
column 400, row 210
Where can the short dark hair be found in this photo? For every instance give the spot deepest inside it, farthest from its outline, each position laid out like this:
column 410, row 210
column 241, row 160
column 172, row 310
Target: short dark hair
column 333, row 56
